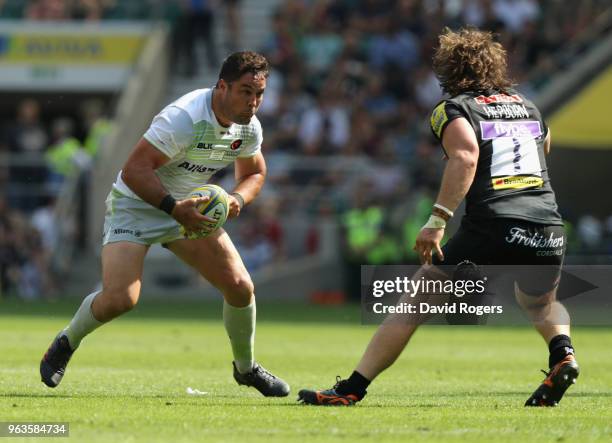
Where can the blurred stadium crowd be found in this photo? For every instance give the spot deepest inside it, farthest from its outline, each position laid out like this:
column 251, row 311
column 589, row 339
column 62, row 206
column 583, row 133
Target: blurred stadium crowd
column 38, row 155
column 345, row 118
column 347, row 106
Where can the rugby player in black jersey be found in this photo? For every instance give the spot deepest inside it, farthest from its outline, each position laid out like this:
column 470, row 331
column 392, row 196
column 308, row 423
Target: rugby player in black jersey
column 495, row 141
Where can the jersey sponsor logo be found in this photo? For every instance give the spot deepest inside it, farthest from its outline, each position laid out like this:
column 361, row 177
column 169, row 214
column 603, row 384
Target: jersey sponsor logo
column 549, row 253
column 494, row 130
column 520, row 236
column 236, row 144
column 498, row 98
column 439, row 119
column 120, row 231
column 204, row 146
column 196, row 168
column 506, row 111
column 517, row 182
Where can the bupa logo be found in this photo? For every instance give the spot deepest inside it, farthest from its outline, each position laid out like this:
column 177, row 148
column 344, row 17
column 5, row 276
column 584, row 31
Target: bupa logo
column 236, row 144
column 205, row 146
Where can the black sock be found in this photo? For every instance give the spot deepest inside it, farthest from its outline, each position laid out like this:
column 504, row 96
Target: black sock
column 356, row 384
column 560, row 346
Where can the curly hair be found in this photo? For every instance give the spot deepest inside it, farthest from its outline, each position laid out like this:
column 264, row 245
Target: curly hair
column 240, row 63
column 470, row 60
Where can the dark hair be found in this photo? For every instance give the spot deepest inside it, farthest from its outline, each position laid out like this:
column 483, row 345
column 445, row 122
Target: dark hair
column 240, row 63
column 470, row 60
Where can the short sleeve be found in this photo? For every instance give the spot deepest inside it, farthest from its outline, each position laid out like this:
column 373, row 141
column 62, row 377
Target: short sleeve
column 254, row 142
column 171, row 131
column 545, row 129
column 444, row 113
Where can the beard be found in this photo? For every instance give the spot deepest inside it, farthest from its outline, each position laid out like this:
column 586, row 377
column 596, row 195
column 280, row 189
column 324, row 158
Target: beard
column 243, row 119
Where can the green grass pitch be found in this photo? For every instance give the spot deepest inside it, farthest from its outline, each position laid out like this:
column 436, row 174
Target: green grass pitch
column 127, row 382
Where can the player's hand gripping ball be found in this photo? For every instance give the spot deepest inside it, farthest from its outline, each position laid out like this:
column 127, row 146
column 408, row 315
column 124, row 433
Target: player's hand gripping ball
column 216, row 208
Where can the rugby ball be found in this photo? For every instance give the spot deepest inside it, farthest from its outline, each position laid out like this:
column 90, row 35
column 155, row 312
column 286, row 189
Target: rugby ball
column 216, row 208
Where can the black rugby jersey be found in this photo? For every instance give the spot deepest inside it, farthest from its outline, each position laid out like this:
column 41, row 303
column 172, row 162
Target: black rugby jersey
column 511, row 178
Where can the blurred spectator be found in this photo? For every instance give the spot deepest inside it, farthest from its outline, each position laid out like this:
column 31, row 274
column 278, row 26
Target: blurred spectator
column 515, row 14
column 97, row 126
column 24, row 259
column 255, row 249
column 387, row 175
column 370, row 16
column 6, row 251
column 319, row 48
column 26, row 139
column 66, row 157
column 481, row 14
column 90, row 10
column 426, row 165
column 427, row 91
column 379, row 102
column 395, row 47
column 274, row 89
column 45, row 222
column 197, row 24
column 279, row 46
column 11, row 9
column 364, row 137
column 270, row 227
column 48, row 10
column 590, row 232
column 234, row 24
column 325, row 125
column 609, row 226
column 27, row 134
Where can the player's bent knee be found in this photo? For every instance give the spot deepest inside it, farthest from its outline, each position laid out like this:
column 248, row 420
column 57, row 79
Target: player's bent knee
column 120, row 300
column 239, row 291
column 529, row 302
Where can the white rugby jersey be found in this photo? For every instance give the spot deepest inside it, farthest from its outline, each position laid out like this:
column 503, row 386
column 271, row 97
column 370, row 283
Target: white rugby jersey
column 188, row 132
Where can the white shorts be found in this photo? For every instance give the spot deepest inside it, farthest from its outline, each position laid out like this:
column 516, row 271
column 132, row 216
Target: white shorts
column 136, row 221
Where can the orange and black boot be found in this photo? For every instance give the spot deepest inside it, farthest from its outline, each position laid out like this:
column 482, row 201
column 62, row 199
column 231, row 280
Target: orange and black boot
column 561, row 376
column 336, row 396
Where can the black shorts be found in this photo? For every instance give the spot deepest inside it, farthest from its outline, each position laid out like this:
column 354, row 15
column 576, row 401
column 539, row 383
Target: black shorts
column 532, row 252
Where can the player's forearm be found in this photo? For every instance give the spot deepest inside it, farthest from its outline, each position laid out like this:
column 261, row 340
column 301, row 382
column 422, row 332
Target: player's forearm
column 145, row 184
column 456, row 181
column 250, row 186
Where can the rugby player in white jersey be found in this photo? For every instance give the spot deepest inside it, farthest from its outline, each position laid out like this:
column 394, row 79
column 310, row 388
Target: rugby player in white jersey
column 187, row 142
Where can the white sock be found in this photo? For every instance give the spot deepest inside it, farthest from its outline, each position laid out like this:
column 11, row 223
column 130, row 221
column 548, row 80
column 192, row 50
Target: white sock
column 240, row 327
column 82, row 323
